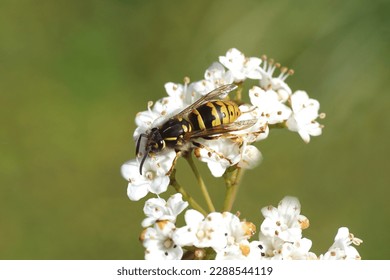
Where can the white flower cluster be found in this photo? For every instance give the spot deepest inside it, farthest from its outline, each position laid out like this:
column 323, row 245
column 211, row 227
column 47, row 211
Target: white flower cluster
column 224, row 236
column 272, row 102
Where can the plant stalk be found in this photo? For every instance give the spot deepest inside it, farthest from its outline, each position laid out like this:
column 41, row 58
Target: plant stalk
column 201, row 183
column 232, row 182
column 186, row 196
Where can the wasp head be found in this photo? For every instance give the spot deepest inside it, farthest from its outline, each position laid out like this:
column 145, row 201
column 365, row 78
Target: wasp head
column 154, row 144
column 155, row 141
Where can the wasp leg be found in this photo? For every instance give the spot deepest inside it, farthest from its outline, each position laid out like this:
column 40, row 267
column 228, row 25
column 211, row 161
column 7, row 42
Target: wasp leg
column 178, row 154
column 212, row 151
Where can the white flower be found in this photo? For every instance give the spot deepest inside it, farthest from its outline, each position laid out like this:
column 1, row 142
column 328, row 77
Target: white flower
column 284, row 222
column 154, row 177
column 271, row 246
column 277, row 84
column 274, row 248
column 256, row 132
column 217, row 75
column 159, row 244
column 183, row 95
column 201, row 231
column 211, row 232
column 298, row 250
column 144, row 121
column 341, row 248
column 241, row 67
column 214, row 77
column 157, row 209
column 269, row 105
column 186, row 236
column 219, row 154
column 237, row 234
column 223, row 232
column 305, row 112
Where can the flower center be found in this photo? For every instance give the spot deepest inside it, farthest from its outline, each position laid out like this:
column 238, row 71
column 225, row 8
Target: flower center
column 168, row 243
column 150, row 175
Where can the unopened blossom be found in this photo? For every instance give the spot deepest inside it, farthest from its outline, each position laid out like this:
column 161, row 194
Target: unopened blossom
column 158, row 242
column 303, row 118
column 157, row 209
column 241, row 67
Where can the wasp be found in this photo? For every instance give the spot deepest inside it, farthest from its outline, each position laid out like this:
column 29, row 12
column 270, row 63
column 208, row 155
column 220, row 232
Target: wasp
column 209, row 117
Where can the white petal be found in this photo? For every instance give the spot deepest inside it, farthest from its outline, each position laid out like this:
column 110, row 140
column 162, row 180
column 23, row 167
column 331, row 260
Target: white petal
column 292, row 124
column 136, row 192
column 342, row 234
column 184, row 236
column 130, row 169
column 159, row 184
column 291, row 234
column 193, row 217
column 304, row 135
column 148, row 222
column 289, row 206
column 268, row 227
column 251, row 157
column 269, row 212
column 154, row 207
column 217, row 169
column 176, row 204
column 173, row 89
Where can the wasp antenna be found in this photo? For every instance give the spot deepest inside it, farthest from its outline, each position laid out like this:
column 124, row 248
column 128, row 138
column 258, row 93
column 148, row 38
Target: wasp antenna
column 139, row 143
column 142, row 162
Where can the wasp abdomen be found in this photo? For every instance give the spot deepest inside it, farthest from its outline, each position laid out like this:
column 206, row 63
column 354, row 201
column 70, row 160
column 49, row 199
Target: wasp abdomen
column 214, row 113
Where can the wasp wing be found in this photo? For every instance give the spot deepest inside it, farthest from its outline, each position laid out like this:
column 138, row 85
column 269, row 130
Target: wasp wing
column 225, row 89
column 222, row 129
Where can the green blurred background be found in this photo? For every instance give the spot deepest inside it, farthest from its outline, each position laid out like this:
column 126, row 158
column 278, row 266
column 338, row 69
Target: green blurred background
column 73, row 74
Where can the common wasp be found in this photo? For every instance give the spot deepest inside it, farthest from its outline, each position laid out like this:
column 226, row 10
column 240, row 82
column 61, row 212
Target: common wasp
column 209, row 117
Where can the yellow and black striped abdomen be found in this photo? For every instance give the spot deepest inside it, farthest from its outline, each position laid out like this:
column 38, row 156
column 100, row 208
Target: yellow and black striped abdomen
column 213, row 113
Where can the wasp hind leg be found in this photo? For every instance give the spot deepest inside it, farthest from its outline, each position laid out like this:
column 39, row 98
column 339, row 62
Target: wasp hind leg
column 210, row 151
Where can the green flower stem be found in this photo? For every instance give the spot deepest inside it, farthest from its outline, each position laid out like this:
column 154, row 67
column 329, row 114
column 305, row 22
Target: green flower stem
column 201, row 183
column 232, row 182
column 186, row 196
